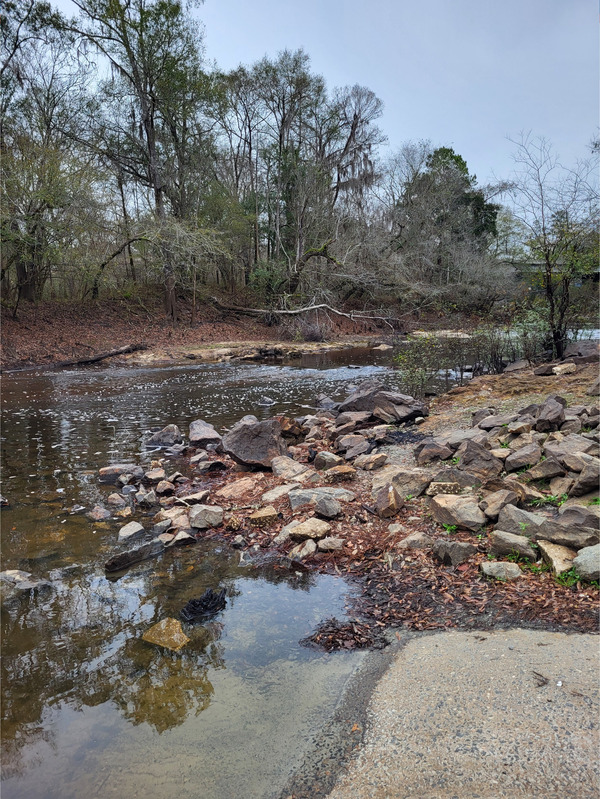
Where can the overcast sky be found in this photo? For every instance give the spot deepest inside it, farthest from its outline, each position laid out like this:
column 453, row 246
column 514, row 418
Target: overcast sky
column 463, row 73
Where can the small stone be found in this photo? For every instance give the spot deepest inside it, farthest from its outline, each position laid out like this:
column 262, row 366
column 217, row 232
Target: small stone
column 326, row 460
column 312, row 528
column 197, row 498
column 278, row 492
column 168, row 633
column 501, row 571
column 416, row 541
column 98, row 514
column 238, row 542
column 493, row 503
column 330, row 544
column 388, row 502
column 165, row 487
column 131, row 531
column 198, row 458
column 146, row 498
column 240, row 487
column 204, row 516
column 564, row 369
column 453, row 553
column 436, row 488
column 116, row 500
column 155, row 475
column 263, row 517
column 370, row 462
column 303, row 550
column 328, row 507
column 181, row 538
column 124, row 513
column 339, row 474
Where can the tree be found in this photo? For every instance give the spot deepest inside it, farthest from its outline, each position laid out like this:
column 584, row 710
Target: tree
column 558, row 207
column 152, row 48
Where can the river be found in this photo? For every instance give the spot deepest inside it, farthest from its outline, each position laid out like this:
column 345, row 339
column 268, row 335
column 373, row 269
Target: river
column 88, row 708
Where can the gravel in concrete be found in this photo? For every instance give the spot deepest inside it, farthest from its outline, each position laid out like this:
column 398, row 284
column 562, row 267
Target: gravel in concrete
column 500, row 715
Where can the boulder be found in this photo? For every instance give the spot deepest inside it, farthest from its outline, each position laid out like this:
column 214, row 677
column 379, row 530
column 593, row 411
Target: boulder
column 572, row 444
column 500, row 570
column 179, row 539
column 545, row 370
column 361, row 448
column 204, row 516
column 477, row 460
column 503, row 543
column 454, row 438
column 569, row 535
column 587, row 563
column 168, row 633
column 255, row 443
column 116, row 501
column 588, row 480
column 125, row 559
column 523, row 424
column 146, row 498
column 431, row 450
column 559, row 558
column 388, row 502
column 453, row 553
column 503, row 420
column 584, row 516
column 594, row 389
column 462, row 511
column 166, row 437
column 493, row 503
column 409, row 482
column 352, row 417
column 202, row 433
column 197, row 498
column 454, row 475
column 521, row 522
column 526, row 456
column 371, row 395
column 131, row 531
column 550, row 417
column 545, row 470
column 482, row 413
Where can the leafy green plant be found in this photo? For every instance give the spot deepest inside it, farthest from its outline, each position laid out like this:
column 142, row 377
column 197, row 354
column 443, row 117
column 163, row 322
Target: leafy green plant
column 408, row 497
column 450, row 528
column 523, row 526
column 534, row 568
column 515, row 557
column 595, row 501
column 505, row 445
column 568, row 578
column 455, row 461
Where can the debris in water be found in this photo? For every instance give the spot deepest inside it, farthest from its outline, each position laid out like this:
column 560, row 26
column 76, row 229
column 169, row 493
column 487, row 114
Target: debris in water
column 210, row 602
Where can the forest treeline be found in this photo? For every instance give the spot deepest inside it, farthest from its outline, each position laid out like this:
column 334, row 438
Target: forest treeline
column 127, row 162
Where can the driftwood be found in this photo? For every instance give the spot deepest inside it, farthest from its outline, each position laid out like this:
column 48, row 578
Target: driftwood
column 81, row 361
column 355, row 316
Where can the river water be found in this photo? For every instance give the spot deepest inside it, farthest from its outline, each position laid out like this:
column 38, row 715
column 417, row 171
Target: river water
column 88, row 708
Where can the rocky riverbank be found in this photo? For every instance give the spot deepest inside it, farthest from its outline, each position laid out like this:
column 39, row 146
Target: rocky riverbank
column 439, row 525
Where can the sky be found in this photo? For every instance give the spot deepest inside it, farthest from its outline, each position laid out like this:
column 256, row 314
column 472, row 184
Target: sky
column 465, row 74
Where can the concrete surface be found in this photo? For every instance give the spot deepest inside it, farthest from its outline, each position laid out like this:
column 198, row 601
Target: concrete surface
column 463, row 715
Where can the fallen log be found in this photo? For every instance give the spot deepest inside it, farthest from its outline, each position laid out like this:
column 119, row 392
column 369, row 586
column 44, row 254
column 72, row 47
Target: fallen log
column 355, row 316
column 80, row 361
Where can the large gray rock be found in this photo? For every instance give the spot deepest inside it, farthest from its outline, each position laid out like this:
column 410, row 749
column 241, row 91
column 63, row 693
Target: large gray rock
column 584, row 516
column 131, row 531
column 311, row 496
column 503, row 420
column 454, row 438
column 328, row 507
column 587, row 563
column 454, row 475
column 431, row 450
column 255, row 443
column 526, row 456
column 462, row 511
column 521, row 522
column 202, row 433
column 503, row 543
column 410, row 482
column 477, row 460
column 125, row 559
column 573, row 536
column 388, row 502
column 558, row 557
column 493, row 503
column 453, row 553
column 166, row 437
column 545, row 470
column 289, row 469
column 572, row 444
column 371, row 395
column 326, row 460
column 204, row 516
column 588, row 480
column 550, row 417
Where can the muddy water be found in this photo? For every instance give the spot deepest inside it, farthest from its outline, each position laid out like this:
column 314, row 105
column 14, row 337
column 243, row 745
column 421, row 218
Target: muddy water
column 89, row 709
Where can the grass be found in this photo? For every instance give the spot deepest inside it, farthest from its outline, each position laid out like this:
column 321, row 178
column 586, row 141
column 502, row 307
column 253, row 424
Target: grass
column 595, row 501
column 551, row 499
column 568, row 578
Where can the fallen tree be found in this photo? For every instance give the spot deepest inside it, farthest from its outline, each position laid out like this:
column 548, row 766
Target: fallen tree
column 81, row 361
column 393, row 322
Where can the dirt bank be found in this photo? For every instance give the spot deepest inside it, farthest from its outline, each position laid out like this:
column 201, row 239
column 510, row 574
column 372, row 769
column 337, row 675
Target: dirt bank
column 52, row 332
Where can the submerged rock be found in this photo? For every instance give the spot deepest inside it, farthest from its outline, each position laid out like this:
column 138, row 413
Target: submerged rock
column 168, row 634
